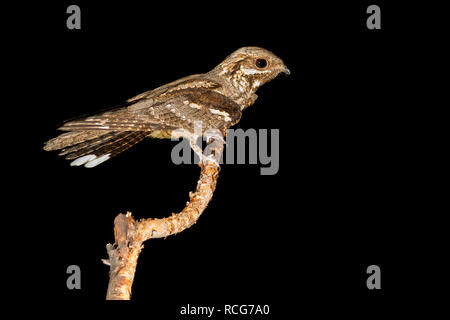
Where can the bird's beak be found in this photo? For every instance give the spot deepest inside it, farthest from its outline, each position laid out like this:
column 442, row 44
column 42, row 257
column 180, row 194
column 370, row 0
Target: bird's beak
column 285, row 70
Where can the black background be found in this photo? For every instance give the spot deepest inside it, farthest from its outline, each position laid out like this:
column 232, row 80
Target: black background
column 345, row 196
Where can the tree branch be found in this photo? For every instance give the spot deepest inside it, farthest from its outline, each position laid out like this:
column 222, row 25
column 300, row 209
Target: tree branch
column 130, row 234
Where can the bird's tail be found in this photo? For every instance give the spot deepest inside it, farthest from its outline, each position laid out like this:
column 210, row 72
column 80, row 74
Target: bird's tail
column 92, row 147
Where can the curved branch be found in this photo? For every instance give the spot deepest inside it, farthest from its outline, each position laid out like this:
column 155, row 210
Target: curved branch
column 130, row 234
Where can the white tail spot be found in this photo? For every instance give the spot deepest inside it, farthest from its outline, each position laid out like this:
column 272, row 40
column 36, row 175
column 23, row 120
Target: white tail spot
column 97, row 161
column 82, row 160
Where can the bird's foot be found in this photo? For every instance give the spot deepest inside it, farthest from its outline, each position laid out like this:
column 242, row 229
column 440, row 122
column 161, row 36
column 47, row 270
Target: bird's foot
column 214, row 135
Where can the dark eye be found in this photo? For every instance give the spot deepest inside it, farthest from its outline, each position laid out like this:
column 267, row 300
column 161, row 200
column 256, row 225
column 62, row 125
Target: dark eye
column 261, row 63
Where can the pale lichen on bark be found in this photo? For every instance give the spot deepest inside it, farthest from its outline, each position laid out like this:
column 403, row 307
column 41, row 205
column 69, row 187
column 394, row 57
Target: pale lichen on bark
column 130, row 234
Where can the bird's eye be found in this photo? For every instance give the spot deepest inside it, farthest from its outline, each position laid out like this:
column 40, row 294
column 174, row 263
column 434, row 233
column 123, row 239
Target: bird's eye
column 261, row 63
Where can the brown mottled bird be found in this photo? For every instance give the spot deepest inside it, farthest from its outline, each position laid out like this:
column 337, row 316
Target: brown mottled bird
column 213, row 100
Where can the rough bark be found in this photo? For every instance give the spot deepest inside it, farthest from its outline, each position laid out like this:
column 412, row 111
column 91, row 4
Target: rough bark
column 130, row 234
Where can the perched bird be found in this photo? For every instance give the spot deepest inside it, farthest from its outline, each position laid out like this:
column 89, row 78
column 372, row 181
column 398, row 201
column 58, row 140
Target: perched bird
column 213, row 100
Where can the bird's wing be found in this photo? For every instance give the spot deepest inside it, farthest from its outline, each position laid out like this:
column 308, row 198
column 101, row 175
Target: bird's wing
column 169, row 109
column 94, row 139
column 190, row 82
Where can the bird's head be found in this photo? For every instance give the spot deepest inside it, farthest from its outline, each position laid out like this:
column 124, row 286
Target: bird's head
column 252, row 65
